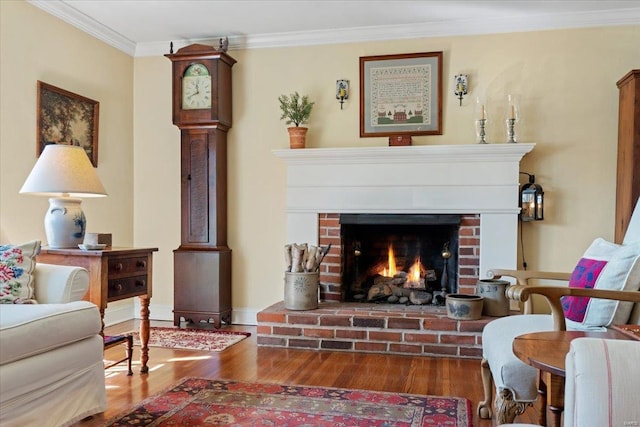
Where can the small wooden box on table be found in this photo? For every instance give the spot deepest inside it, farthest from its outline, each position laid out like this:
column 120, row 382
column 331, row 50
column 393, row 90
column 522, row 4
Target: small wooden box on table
column 114, row 274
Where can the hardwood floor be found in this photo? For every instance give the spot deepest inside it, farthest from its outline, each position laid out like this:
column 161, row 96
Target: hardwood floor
column 246, row 361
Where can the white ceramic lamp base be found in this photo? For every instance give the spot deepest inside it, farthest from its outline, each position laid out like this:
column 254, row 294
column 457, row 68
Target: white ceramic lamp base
column 64, row 223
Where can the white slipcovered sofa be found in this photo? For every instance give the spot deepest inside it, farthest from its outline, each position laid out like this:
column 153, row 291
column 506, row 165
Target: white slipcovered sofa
column 51, row 353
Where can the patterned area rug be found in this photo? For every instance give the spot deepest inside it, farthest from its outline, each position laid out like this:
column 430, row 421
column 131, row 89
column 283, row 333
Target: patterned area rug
column 191, row 339
column 199, row 402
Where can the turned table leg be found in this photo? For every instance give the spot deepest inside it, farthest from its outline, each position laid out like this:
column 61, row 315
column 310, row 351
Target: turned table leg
column 555, row 397
column 542, row 391
column 144, row 333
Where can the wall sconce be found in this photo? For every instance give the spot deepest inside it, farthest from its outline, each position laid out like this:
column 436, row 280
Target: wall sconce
column 342, row 91
column 531, row 200
column 460, row 86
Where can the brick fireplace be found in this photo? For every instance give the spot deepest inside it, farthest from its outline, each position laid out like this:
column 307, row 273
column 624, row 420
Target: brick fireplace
column 478, row 182
column 467, row 257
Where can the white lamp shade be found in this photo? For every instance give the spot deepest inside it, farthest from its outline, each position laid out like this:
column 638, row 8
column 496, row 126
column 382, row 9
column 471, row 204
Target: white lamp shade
column 63, row 170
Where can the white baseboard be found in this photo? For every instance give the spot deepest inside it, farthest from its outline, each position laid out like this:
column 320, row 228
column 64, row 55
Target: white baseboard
column 244, row 316
column 122, row 313
column 118, row 314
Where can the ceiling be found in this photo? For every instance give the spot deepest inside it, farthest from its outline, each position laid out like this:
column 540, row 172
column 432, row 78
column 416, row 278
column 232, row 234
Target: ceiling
column 145, row 27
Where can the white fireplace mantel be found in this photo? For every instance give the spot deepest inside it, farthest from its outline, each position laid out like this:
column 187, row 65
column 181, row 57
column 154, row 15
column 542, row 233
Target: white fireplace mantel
column 454, row 179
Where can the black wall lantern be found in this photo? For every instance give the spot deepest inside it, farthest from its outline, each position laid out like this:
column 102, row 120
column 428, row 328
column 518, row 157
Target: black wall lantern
column 531, row 200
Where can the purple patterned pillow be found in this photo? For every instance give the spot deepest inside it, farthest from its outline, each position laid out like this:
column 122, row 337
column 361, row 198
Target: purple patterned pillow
column 585, row 276
column 604, row 265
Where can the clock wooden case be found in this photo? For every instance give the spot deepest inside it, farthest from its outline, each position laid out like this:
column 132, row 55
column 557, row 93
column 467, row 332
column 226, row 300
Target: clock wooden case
column 201, row 104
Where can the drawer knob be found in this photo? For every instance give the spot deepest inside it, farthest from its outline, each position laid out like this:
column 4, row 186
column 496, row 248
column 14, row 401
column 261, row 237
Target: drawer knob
column 118, row 287
column 141, row 283
column 119, row 266
column 142, row 264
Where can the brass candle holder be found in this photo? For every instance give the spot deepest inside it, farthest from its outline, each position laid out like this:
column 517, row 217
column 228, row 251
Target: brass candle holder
column 480, row 130
column 512, row 118
column 481, row 121
column 511, row 132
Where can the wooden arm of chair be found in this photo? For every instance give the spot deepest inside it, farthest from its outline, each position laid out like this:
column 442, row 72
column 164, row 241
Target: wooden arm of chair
column 553, row 295
column 522, row 278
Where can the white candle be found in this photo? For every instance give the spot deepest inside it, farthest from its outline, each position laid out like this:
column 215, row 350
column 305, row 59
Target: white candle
column 512, row 112
column 483, row 113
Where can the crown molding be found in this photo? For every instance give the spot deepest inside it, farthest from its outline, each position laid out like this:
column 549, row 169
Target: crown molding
column 630, row 16
column 88, row 25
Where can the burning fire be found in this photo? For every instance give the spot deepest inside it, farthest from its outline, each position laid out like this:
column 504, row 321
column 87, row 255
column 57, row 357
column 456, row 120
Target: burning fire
column 392, row 265
column 414, row 271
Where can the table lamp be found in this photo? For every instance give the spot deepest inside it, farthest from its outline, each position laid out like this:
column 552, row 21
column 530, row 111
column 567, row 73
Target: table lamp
column 64, row 173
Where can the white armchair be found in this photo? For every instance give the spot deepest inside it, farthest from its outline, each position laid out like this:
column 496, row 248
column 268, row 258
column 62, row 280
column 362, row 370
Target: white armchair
column 515, row 381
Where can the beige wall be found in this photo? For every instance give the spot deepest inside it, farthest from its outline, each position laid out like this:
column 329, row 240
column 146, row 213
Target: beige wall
column 565, row 79
column 36, row 46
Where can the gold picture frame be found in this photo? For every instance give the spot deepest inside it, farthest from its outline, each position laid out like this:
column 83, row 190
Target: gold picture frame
column 67, row 118
column 401, row 94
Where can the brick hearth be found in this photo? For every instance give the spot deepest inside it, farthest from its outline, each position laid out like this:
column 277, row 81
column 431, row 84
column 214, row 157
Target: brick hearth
column 372, row 328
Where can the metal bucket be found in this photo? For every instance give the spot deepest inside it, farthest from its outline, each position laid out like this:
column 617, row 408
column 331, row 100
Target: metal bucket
column 301, row 290
column 496, row 302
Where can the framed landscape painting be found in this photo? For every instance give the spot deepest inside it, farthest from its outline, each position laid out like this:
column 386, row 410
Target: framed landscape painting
column 401, row 94
column 67, row 118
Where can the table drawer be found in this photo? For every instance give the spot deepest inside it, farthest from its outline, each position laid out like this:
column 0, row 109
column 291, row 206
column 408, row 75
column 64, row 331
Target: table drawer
column 127, row 286
column 127, row 265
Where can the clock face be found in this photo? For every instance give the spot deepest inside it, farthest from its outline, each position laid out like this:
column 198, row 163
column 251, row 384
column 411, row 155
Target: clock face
column 196, row 88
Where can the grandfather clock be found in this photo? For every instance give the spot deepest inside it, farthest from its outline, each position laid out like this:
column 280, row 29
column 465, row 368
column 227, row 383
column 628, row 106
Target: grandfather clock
column 202, row 111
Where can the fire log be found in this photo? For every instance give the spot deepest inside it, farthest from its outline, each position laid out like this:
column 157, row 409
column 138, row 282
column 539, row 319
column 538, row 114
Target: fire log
column 311, row 259
column 298, row 254
column 287, row 257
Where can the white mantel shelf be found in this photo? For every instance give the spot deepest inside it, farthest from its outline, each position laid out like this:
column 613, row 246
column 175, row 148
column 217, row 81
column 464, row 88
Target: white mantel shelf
column 431, row 179
column 413, row 179
column 412, row 154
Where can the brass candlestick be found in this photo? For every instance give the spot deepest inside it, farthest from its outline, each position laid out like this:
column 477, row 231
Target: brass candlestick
column 481, row 123
column 511, row 132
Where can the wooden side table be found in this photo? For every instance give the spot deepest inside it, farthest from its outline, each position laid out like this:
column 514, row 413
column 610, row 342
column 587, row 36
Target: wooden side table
column 546, row 351
column 114, row 274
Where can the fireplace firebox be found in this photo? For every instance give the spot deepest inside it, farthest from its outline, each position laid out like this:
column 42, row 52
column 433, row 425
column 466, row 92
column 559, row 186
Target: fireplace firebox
column 399, row 258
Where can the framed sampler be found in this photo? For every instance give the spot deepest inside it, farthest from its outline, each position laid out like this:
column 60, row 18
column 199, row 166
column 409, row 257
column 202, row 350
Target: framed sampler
column 401, row 94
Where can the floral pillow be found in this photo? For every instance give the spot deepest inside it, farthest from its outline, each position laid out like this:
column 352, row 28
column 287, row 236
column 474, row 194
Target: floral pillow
column 17, row 263
column 604, row 265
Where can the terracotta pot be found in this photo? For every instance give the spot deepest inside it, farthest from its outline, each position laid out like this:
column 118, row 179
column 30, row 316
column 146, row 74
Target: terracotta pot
column 297, row 136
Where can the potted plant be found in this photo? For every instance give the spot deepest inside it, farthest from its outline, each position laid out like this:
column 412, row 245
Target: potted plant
column 296, row 109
